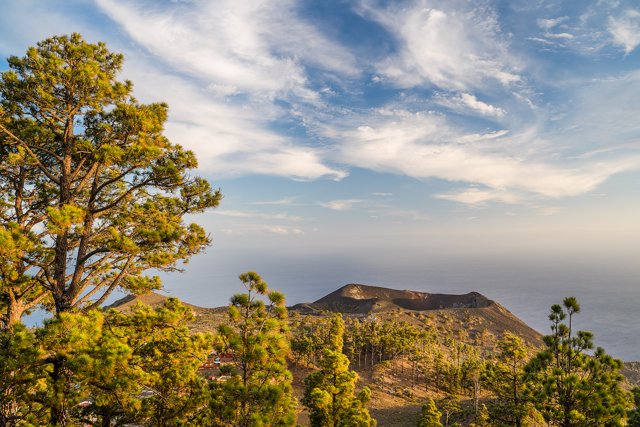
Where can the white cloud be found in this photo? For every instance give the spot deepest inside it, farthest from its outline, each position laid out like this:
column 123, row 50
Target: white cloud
column 229, row 139
column 382, row 194
column 477, row 137
column 278, row 229
column 425, row 146
column 239, row 53
column 451, row 45
column 245, row 214
column 340, row 205
column 466, row 102
column 284, row 201
column 547, row 24
column 540, row 40
column 475, row 196
column 250, row 47
column 565, row 36
column 250, row 229
column 625, row 30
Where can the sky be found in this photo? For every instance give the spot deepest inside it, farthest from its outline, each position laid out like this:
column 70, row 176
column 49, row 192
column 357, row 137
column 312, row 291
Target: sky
column 445, row 146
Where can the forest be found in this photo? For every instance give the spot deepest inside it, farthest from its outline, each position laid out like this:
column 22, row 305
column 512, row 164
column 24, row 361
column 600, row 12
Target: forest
column 94, row 199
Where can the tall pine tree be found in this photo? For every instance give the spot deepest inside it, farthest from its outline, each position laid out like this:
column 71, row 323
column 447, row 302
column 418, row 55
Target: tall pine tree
column 88, row 180
column 570, row 387
column 330, row 392
column 259, row 390
column 92, row 194
column 506, row 379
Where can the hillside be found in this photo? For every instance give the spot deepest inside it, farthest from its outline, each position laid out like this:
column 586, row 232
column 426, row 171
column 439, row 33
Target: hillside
column 396, row 395
column 206, row 319
column 472, row 311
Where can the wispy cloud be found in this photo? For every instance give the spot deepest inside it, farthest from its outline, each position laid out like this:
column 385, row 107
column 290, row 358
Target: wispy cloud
column 237, row 52
column 566, row 36
column 425, row 145
column 340, row 205
column 597, row 26
column 625, row 30
column 242, row 83
column 476, row 197
column 247, row 214
column 468, row 103
column 284, row 201
column 278, row 229
column 229, row 139
column 549, row 23
column 252, row 46
column 248, row 229
column 452, row 45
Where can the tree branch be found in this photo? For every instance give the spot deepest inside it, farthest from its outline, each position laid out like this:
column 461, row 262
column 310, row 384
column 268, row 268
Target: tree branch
column 42, row 168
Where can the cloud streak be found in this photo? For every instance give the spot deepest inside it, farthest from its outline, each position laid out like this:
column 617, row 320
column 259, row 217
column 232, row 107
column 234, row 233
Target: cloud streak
column 449, row 45
column 340, row 205
column 468, row 103
column 424, row 145
column 625, row 30
column 239, row 76
column 231, row 137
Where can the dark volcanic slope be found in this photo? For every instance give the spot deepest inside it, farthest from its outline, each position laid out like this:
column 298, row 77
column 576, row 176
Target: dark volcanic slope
column 357, row 299
column 365, row 298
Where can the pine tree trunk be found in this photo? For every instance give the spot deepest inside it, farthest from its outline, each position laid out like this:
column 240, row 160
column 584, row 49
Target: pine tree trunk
column 476, row 391
column 14, row 312
column 106, row 421
column 14, row 315
column 58, row 415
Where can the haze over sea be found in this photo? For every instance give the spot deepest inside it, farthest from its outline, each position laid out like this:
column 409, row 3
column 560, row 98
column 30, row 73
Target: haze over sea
column 607, row 289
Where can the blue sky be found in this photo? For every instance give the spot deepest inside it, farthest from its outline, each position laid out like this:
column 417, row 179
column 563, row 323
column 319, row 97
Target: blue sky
column 392, row 130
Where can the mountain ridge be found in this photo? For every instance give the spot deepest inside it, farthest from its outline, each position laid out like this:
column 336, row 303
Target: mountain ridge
column 472, row 311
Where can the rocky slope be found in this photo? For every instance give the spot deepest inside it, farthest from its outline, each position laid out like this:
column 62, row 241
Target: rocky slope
column 473, row 311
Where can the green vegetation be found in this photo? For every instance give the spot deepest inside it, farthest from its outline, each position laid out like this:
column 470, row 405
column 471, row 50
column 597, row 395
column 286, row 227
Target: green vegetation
column 506, row 380
column 568, row 386
column 92, row 196
column 259, row 390
column 634, row 414
column 430, row 416
column 330, row 392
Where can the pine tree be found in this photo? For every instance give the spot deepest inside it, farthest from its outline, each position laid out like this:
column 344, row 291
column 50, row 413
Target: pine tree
column 568, row 386
column 89, row 180
column 506, row 378
column 138, row 367
column 483, row 418
column 259, row 393
column 67, row 340
column 162, row 365
column 449, row 405
column 21, row 379
column 92, row 194
column 330, row 393
column 634, row 414
column 430, row 416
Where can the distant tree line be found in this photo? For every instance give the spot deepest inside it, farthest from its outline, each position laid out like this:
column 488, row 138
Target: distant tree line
column 93, row 196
